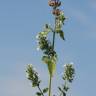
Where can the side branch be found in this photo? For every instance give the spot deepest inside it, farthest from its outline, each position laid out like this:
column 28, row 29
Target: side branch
column 40, row 90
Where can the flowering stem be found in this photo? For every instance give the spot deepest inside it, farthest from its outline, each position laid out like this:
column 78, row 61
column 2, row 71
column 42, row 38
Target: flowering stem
column 53, row 39
column 40, row 90
column 53, row 49
column 54, row 34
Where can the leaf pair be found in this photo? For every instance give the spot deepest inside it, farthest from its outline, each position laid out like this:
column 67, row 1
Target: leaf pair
column 45, row 90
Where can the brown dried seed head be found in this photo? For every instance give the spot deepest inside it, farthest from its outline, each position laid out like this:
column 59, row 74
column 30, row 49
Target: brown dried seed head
column 56, row 12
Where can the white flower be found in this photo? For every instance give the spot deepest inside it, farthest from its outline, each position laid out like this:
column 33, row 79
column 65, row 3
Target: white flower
column 37, row 36
column 38, row 48
column 62, row 13
column 30, row 65
column 60, row 22
column 34, row 69
column 33, row 76
column 42, row 33
column 71, row 63
column 64, row 65
column 38, row 75
column 27, row 76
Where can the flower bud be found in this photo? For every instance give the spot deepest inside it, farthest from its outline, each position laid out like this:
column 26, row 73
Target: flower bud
column 54, row 3
column 56, row 12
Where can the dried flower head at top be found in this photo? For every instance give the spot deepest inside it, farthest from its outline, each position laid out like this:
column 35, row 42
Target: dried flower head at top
column 54, row 3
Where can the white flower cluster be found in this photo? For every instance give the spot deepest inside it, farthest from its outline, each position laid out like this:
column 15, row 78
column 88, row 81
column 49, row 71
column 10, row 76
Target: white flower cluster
column 32, row 75
column 40, row 36
column 71, row 63
column 28, row 65
column 69, row 72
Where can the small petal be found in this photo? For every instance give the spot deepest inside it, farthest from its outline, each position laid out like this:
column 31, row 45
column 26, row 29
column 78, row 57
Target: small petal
column 37, row 37
column 38, row 75
column 64, row 65
column 62, row 13
column 34, row 69
column 71, row 63
column 27, row 75
column 38, row 48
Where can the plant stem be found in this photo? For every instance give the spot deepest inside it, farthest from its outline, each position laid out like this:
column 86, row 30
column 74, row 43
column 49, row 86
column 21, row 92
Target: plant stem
column 40, row 90
column 54, row 34
column 50, row 85
column 53, row 49
column 53, row 39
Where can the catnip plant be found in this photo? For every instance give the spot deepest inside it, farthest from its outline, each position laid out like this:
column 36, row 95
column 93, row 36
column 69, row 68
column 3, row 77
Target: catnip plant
column 50, row 55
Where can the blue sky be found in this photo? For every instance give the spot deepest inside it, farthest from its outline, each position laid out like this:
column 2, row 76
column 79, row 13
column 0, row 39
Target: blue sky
column 21, row 20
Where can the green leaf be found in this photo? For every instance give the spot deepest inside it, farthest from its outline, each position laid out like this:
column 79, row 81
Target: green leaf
column 64, row 94
column 58, row 29
column 52, row 66
column 58, row 26
column 45, row 59
column 38, row 94
column 51, row 63
column 60, row 89
column 45, row 90
column 65, row 87
column 69, row 73
column 43, row 34
column 61, row 33
column 47, row 28
column 62, row 17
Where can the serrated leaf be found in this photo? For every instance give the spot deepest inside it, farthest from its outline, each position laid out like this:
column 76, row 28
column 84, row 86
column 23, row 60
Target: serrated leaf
column 45, row 90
